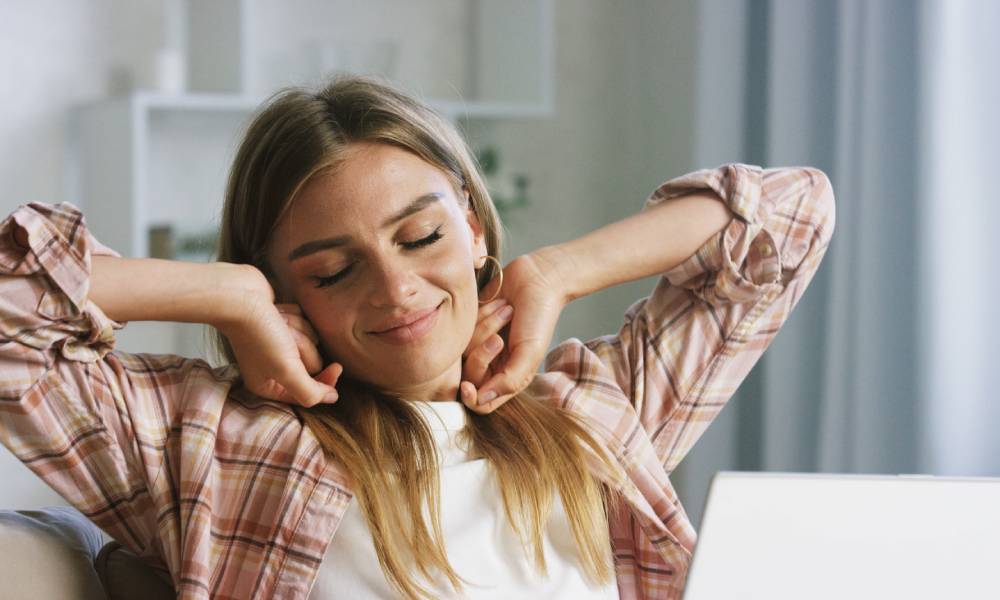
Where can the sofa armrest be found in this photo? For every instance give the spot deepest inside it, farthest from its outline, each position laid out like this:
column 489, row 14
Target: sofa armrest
column 49, row 553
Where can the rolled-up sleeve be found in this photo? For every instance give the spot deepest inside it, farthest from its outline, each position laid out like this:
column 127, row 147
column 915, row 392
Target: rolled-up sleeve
column 90, row 422
column 742, row 261
column 682, row 352
column 45, row 286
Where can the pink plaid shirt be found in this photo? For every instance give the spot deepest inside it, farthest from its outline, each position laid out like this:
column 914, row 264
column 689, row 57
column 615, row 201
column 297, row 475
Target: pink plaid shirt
column 233, row 495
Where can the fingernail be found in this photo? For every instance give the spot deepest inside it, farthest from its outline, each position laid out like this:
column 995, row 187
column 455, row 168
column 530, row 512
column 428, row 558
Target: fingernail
column 486, row 397
column 330, row 398
column 493, row 344
column 506, row 312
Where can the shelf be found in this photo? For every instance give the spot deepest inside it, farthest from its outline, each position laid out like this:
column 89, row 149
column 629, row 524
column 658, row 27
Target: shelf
column 454, row 109
column 195, row 102
column 484, row 53
column 150, row 101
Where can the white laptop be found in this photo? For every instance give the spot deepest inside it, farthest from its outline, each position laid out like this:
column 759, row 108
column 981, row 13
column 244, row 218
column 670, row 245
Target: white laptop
column 816, row 537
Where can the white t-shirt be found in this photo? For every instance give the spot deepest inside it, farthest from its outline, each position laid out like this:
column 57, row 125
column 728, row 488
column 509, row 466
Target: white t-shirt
column 481, row 545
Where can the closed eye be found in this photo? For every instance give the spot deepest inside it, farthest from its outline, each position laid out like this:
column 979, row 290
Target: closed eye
column 322, row 282
column 435, row 236
column 427, row 241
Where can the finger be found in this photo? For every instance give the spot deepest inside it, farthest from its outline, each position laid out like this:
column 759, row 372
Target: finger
column 300, row 323
column 491, row 307
column 308, row 352
column 494, row 404
column 467, row 393
column 517, row 373
column 483, row 408
column 331, row 374
column 477, row 364
column 490, row 325
column 300, row 388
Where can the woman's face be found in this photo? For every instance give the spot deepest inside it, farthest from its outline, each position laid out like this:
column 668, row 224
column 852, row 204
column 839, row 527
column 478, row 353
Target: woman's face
column 366, row 249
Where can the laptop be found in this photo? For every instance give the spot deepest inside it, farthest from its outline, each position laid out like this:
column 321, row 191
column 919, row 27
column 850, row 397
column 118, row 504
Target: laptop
column 787, row 536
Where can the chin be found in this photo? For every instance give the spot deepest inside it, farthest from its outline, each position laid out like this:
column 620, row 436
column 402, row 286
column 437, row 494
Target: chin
column 404, row 371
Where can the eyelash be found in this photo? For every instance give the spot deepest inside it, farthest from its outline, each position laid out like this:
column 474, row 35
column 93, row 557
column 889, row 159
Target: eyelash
column 435, row 236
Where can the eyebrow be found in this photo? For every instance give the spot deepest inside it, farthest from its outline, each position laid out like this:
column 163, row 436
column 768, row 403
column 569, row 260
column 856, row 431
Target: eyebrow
column 325, row 244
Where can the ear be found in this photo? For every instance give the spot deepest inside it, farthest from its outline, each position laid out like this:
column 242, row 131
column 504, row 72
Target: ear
column 476, row 229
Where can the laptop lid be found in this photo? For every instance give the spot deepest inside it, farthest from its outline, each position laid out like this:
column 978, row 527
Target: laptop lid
column 794, row 536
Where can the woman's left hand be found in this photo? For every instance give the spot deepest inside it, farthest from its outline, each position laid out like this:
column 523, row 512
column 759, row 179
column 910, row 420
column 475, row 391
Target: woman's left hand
column 534, row 289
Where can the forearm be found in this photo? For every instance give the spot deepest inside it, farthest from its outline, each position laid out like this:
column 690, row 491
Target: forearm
column 638, row 246
column 147, row 289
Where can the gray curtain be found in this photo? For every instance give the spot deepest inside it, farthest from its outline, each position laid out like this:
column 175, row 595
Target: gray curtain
column 833, row 85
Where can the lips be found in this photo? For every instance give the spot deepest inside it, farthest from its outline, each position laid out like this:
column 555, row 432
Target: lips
column 408, row 328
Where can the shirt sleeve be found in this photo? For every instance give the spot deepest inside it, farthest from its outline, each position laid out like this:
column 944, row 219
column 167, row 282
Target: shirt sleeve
column 682, row 352
column 94, row 424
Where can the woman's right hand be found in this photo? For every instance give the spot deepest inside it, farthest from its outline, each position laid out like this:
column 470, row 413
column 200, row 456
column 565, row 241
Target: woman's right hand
column 276, row 350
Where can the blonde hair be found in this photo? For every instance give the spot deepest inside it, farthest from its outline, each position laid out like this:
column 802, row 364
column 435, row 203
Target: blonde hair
column 532, row 448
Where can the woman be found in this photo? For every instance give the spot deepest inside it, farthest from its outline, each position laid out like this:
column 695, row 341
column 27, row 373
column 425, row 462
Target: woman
column 369, row 436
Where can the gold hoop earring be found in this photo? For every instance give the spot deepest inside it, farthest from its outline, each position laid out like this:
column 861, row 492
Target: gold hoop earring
column 500, row 269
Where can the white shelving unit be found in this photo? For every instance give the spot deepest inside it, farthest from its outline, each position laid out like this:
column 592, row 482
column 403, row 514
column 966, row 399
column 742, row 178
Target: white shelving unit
column 483, row 57
column 150, row 158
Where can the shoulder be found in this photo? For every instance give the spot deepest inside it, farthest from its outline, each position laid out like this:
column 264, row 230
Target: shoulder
column 259, row 425
column 592, row 368
column 207, row 405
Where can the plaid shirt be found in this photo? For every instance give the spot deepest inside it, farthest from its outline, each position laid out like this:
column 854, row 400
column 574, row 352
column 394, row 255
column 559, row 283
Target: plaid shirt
column 234, row 496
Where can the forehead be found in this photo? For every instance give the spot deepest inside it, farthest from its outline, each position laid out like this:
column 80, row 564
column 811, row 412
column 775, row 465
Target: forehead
column 371, row 183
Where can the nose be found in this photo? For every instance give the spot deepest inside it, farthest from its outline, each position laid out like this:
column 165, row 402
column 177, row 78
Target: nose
column 394, row 284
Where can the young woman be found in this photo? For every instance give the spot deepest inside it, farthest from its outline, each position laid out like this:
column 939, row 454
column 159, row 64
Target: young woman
column 381, row 429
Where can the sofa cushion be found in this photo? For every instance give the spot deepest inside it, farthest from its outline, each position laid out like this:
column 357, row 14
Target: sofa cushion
column 49, row 553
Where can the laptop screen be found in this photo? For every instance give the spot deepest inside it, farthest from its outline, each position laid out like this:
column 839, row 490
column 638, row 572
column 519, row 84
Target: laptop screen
column 794, row 536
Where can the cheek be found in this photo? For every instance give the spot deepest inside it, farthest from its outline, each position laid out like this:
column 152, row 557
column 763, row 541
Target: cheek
column 466, row 298
column 332, row 323
column 458, row 277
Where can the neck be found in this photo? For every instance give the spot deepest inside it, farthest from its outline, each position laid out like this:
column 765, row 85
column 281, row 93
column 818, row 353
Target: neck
column 443, row 388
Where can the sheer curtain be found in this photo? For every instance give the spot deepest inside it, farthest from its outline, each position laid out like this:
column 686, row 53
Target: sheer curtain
column 960, row 251
column 884, row 365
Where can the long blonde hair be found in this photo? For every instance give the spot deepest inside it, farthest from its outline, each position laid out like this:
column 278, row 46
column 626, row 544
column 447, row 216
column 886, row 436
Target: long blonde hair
column 531, row 447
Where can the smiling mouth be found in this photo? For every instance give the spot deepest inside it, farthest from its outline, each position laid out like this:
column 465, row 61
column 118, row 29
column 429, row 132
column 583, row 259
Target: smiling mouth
column 412, row 331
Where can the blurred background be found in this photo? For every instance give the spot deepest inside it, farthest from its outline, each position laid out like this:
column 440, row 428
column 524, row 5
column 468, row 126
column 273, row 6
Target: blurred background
column 578, row 109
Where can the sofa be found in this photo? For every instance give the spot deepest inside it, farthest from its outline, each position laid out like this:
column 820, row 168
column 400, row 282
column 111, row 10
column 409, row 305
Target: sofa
column 57, row 553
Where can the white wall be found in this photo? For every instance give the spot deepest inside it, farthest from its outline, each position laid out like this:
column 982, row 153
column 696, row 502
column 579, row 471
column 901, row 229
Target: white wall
column 54, row 54
column 622, row 124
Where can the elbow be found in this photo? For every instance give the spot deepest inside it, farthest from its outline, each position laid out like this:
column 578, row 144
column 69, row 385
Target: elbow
column 822, row 205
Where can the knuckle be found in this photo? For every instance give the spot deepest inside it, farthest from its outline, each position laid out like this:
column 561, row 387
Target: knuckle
column 518, row 382
column 479, row 356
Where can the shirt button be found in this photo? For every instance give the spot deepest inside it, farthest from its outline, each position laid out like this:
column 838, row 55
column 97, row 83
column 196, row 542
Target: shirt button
column 766, row 250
